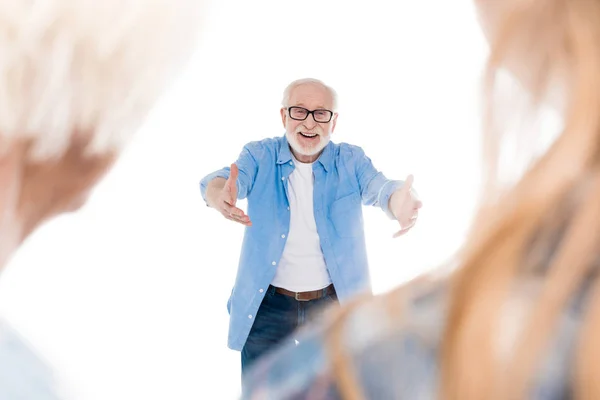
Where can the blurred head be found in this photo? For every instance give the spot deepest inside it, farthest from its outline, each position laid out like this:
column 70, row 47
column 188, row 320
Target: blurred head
column 534, row 248
column 309, row 115
column 548, row 221
column 77, row 78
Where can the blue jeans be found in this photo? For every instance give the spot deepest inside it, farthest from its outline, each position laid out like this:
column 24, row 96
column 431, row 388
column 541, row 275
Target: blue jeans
column 278, row 316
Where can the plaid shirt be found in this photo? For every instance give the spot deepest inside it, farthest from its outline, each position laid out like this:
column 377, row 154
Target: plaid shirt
column 392, row 358
column 23, row 376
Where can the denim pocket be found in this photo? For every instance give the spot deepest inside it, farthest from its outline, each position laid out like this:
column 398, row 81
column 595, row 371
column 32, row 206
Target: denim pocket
column 346, row 215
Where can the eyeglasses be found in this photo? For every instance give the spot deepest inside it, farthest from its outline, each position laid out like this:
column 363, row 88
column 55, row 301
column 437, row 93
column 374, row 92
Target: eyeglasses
column 319, row 115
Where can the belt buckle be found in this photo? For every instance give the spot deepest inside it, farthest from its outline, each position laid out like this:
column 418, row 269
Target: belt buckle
column 297, row 299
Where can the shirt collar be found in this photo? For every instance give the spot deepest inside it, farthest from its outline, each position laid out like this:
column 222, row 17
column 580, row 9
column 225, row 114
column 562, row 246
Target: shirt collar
column 326, row 157
column 285, row 155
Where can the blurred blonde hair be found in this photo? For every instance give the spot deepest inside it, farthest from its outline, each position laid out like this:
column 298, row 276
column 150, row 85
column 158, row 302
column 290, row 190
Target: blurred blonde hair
column 545, row 228
column 91, row 67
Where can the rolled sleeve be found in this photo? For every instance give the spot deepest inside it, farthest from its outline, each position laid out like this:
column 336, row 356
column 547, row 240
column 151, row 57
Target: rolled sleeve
column 248, row 168
column 222, row 173
column 385, row 193
column 375, row 188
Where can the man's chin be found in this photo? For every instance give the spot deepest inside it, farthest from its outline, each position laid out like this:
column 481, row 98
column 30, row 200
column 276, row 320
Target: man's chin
column 309, row 151
column 306, row 150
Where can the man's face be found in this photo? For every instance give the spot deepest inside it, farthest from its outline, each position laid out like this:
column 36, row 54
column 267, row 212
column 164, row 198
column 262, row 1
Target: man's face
column 308, row 137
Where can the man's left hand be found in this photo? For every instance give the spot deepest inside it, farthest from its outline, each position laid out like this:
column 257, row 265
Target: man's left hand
column 405, row 205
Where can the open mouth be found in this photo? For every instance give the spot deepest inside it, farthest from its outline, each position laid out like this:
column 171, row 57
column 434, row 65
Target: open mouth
column 308, row 135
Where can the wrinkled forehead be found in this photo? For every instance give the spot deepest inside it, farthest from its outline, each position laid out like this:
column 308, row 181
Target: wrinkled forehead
column 311, row 96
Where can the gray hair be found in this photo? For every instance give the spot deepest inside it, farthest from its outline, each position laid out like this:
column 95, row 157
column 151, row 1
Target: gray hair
column 288, row 91
column 84, row 66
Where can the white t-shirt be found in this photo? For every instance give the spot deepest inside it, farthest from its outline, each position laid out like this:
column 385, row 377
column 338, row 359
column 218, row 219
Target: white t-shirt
column 302, row 267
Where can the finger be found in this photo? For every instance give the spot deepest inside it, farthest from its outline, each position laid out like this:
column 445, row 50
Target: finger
column 403, row 231
column 407, row 224
column 240, row 217
column 234, row 172
column 399, row 233
column 408, row 219
column 238, row 214
column 241, row 220
column 232, row 210
column 231, row 181
column 233, row 176
column 408, row 182
column 245, row 223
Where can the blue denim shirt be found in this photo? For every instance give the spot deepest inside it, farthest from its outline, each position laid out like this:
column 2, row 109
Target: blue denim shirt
column 344, row 178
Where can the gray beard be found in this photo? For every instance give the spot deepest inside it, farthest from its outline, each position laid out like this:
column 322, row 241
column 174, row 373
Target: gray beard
column 291, row 138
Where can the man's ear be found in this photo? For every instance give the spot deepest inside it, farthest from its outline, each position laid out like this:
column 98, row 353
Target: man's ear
column 334, row 122
column 283, row 116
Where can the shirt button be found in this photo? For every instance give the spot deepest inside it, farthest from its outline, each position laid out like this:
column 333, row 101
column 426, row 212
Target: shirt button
column 250, row 316
column 291, row 163
column 273, row 263
column 283, row 236
column 288, row 209
column 260, row 290
column 283, row 178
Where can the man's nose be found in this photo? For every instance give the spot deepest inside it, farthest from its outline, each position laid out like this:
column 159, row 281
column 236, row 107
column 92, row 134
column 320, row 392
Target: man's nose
column 310, row 122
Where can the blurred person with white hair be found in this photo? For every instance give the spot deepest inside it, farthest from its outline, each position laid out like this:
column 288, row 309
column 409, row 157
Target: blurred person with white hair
column 77, row 78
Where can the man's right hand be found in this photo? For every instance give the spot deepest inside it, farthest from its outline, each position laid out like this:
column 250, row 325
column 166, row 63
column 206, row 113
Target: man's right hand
column 227, row 197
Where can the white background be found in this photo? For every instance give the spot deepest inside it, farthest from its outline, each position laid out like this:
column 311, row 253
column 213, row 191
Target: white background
column 127, row 298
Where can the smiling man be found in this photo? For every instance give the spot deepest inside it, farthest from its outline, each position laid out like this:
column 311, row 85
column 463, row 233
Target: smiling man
column 304, row 243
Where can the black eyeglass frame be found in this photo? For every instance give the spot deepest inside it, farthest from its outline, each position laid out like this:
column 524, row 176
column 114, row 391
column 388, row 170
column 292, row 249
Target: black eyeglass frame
column 309, row 112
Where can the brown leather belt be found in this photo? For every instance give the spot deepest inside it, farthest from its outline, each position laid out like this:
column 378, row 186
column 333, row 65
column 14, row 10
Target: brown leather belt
column 307, row 296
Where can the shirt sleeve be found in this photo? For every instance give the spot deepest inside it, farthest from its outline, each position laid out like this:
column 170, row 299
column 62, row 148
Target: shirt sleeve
column 248, row 167
column 375, row 188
